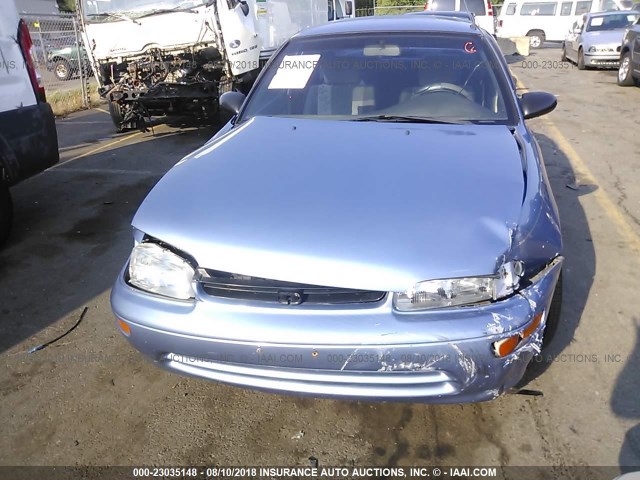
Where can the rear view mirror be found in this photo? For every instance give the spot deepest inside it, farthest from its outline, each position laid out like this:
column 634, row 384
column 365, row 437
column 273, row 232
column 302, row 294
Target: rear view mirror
column 536, row 104
column 381, row 51
column 244, row 6
column 348, row 8
column 231, row 101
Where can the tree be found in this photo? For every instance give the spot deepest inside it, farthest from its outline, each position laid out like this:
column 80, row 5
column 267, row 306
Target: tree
column 66, row 5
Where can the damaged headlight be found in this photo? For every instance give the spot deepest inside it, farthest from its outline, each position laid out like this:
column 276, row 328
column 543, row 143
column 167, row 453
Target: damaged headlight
column 156, row 269
column 452, row 292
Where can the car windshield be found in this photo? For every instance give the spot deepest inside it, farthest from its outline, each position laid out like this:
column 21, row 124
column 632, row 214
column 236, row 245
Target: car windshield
column 114, row 10
column 611, row 22
column 382, row 77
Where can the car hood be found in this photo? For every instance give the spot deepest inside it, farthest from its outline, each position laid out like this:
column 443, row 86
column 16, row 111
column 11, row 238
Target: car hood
column 375, row 206
column 606, row 37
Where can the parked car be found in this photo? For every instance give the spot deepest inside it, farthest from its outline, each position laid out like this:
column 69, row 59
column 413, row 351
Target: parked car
column 629, row 70
column 63, row 59
column 270, row 259
column 544, row 21
column 594, row 40
column 28, row 140
column 482, row 9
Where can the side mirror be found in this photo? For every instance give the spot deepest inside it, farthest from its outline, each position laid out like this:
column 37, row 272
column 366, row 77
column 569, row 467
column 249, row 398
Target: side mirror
column 244, row 6
column 348, row 8
column 536, row 104
column 231, row 101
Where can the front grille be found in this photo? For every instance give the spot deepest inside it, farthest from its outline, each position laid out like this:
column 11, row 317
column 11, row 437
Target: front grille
column 241, row 287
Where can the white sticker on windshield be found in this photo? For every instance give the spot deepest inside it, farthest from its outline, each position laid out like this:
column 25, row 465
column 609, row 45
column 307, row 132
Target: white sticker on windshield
column 294, row 71
column 597, row 21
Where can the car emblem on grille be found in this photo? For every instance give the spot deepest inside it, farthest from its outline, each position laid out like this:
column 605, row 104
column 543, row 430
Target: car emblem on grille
column 290, row 298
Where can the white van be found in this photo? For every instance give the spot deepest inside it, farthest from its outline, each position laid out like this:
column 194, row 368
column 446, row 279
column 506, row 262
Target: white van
column 543, row 20
column 28, row 140
column 482, row 9
column 339, row 9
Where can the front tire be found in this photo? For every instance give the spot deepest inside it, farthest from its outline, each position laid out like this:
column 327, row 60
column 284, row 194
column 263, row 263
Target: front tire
column 117, row 116
column 581, row 64
column 536, row 38
column 6, row 212
column 62, row 70
column 625, row 73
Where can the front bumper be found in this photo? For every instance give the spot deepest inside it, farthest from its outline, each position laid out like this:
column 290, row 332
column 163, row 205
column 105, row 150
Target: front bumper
column 602, row 60
column 363, row 352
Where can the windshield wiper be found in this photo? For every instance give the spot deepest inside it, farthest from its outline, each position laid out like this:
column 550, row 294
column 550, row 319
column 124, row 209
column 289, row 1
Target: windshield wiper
column 117, row 15
column 408, row 119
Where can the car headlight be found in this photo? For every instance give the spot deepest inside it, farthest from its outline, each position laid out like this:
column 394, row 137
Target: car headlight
column 156, row 269
column 452, row 292
column 601, row 49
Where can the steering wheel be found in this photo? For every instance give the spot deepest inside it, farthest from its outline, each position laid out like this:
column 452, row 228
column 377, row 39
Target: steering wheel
column 444, row 87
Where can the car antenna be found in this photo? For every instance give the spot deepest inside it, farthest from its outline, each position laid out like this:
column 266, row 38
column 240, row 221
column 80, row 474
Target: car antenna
column 466, row 7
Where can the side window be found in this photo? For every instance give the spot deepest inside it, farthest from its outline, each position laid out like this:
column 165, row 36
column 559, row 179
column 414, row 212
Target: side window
column 477, row 7
column 583, row 7
column 565, row 10
column 511, row 9
column 605, row 5
column 538, row 8
column 443, row 5
column 331, row 12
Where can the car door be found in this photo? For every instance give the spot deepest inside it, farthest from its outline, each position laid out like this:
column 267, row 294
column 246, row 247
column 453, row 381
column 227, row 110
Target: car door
column 571, row 45
column 635, row 57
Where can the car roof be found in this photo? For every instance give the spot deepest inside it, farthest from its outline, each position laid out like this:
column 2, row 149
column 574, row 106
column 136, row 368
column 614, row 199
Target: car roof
column 608, row 14
column 447, row 14
column 395, row 23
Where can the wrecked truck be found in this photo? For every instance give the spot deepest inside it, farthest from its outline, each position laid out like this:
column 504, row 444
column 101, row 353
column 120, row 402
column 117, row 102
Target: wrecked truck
column 175, row 57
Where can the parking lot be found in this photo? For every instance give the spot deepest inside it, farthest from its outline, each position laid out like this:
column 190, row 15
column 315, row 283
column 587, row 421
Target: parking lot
column 91, row 399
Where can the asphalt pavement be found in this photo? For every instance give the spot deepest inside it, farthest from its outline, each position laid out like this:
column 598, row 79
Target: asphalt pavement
column 90, row 399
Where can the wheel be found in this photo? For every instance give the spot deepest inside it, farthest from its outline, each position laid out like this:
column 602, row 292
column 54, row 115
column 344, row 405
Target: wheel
column 625, row 74
column 117, row 116
column 6, row 212
column 554, row 314
column 581, row 65
column 536, row 38
column 62, row 70
column 563, row 55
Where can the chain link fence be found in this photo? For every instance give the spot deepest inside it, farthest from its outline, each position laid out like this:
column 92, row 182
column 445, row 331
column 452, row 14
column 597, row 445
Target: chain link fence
column 388, row 10
column 61, row 60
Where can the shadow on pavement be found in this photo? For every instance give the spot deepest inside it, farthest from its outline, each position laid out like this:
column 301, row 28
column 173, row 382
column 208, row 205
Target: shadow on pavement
column 580, row 259
column 625, row 404
column 71, row 232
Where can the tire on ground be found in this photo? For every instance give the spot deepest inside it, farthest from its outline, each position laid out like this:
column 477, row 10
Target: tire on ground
column 536, row 38
column 6, row 212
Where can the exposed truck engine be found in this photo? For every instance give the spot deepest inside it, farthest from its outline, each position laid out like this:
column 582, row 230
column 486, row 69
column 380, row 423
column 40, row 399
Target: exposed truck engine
column 175, row 57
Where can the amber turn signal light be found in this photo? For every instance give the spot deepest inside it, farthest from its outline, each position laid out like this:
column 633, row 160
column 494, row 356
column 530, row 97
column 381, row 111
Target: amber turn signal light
column 124, row 327
column 507, row 345
column 504, row 347
column 532, row 326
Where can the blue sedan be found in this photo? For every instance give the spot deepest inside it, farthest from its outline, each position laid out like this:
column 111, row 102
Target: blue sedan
column 375, row 222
